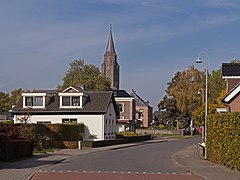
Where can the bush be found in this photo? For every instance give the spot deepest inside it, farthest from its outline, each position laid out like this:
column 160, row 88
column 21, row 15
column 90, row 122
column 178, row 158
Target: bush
column 223, row 139
column 122, row 140
column 15, row 148
column 8, row 131
column 67, row 132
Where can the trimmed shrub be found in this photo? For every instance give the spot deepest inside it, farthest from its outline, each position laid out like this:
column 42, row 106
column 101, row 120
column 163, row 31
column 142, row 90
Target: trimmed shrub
column 15, row 148
column 223, row 139
column 123, row 140
column 66, row 132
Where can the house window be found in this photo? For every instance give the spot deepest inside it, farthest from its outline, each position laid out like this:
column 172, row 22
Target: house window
column 141, row 113
column 121, row 107
column 43, row 122
column 66, row 101
column 69, row 121
column 70, row 101
column 38, row 101
column 75, row 101
column 29, row 101
column 34, row 101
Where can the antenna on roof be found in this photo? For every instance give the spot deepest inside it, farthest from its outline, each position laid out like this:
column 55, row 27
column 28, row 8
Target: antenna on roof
column 110, row 27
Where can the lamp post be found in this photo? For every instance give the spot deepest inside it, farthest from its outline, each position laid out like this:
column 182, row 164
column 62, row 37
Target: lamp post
column 201, row 93
column 199, row 60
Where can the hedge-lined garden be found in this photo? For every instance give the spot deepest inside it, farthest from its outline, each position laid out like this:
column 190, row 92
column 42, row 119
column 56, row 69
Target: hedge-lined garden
column 223, row 139
column 19, row 140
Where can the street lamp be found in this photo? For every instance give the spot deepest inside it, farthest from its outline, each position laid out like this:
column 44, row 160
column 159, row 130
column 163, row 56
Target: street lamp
column 201, row 93
column 199, row 60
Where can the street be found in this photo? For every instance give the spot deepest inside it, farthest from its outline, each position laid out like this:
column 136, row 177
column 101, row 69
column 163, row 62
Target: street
column 151, row 160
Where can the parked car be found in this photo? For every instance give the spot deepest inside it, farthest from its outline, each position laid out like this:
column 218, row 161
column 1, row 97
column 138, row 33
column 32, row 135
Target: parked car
column 187, row 131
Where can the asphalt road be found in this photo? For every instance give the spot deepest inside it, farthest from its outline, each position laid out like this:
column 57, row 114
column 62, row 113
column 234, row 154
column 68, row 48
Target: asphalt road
column 154, row 159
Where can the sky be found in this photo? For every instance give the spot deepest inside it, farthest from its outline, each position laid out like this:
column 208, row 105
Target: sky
column 154, row 39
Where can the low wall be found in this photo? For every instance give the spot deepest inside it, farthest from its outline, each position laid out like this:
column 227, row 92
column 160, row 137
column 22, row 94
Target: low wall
column 164, row 131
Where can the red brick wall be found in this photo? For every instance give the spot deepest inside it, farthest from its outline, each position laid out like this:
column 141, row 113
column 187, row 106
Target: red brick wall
column 129, row 110
column 231, row 83
column 147, row 115
column 235, row 104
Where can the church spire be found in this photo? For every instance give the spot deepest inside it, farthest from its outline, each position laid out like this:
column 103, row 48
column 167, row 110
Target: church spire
column 110, row 45
column 110, row 66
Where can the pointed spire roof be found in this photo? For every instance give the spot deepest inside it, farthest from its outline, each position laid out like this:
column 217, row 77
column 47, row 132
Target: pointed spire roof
column 110, row 44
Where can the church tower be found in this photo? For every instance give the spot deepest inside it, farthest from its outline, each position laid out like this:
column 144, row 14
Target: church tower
column 110, row 67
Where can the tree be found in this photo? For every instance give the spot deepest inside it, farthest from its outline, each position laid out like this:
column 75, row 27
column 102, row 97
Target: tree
column 215, row 85
column 170, row 111
column 16, row 95
column 80, row 74
column 5, row 104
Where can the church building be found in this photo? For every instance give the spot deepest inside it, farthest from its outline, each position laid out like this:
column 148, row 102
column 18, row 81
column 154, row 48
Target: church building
column 130, row 106
column 110, row 67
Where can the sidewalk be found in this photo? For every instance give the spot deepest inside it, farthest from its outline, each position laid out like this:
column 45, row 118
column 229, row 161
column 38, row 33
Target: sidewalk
column 192, row 162
column 188, row 158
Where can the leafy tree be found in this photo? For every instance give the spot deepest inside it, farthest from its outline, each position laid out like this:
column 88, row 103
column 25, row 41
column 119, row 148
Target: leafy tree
column 5, row 104
column 215, row 85
column 80, row 74
column 182, row 95
column 235, row 61
column 170, row 113
column 15, row 96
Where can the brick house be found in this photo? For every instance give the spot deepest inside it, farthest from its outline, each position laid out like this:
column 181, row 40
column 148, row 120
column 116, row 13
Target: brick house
column 127, row 110
column 231, row 74
column 143, row 110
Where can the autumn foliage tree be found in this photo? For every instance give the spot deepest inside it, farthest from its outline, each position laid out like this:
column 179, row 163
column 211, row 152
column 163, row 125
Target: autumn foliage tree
column 183, row 90
column 183, row 94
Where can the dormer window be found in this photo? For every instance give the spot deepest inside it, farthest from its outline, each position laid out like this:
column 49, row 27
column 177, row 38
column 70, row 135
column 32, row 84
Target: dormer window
column 71, row 101
column 33, row 100
column 72, row 98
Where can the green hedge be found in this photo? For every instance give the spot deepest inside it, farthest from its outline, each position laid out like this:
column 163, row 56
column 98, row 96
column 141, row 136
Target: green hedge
column 15, row 148
column 58, row 132
column 122, row 140
column 223, row 139
column 45, row 135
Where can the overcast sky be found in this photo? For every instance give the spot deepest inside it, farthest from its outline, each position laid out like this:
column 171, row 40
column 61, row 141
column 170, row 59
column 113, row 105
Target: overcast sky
column 153, row 39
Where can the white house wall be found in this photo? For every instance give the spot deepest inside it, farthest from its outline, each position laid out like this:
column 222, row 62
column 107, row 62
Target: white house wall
column 110, row 127
column 93, row 123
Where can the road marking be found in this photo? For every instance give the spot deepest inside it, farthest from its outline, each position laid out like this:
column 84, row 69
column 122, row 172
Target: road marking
column 115, row 172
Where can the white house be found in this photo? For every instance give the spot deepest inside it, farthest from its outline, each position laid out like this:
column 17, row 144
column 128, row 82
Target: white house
column 96, row 109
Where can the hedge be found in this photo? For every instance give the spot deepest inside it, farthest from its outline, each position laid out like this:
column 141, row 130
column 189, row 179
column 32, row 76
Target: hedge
column 121, row 140
column 57, row 132
column 15, row 148
column 44, row 135
column 223, row 139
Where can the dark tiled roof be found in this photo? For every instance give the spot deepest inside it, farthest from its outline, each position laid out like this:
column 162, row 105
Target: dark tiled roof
column 139, row 100
column 121, row 93
column 98, row 102
column 230, row 69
